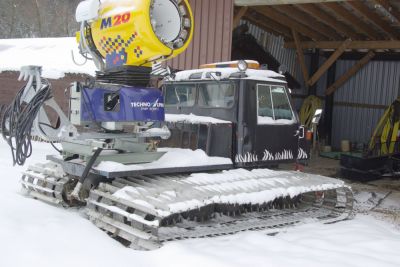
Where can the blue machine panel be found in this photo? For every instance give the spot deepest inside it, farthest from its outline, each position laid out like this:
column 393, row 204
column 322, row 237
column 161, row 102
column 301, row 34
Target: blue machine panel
column 121, row 104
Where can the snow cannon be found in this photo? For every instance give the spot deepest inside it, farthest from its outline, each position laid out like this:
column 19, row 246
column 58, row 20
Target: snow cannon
column 133, row 32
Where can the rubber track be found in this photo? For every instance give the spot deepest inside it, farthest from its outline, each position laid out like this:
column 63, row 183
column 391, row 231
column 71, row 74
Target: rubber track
column 141, row 226
column 45, row 182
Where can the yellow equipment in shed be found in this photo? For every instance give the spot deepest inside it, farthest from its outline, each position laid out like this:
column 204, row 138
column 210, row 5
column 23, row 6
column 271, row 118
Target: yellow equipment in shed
column 307, row 110
column 383, row 154
column 385, row 137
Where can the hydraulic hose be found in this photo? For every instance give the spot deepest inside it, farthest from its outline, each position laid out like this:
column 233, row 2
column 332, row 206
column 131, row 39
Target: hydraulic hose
column 18, row 118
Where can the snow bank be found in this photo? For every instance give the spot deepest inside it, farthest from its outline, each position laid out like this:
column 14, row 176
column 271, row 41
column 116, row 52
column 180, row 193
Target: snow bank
column 191, row 118
column 174, row 157
column 36, row 234
column 53, row 54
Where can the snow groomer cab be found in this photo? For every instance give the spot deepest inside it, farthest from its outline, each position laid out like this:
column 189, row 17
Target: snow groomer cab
column 235, row 110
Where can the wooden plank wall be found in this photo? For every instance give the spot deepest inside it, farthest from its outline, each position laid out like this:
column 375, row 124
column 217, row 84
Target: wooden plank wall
column 212, row 40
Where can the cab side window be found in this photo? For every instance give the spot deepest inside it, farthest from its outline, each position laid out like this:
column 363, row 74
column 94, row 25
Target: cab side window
column 273, row 105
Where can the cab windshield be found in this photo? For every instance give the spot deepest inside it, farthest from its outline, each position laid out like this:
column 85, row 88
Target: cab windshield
column 209, row 95
column 216, row 95
column 180, row 95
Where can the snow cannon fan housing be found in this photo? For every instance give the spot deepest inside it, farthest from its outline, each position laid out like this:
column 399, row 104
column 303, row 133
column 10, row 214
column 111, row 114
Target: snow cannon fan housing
column 135, row 32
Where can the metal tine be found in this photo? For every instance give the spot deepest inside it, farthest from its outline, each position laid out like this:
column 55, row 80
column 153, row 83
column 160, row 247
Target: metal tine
column 116, row 183
column 185, row 188
column 127, row 203
column 47, row 179
column 185, row 192
column 238, row 190
column 108, row 188
column 45, row 198
column 34, row 187
column 152, row 194
column 138, row 243
column 121, row 226
column 142, row 190
column 121, row 212
column 139, row 187
column 145, row 184
column 147, row 198
column 156, row 182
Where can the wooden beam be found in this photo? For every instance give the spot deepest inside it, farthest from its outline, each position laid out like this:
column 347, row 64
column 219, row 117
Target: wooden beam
column 300, row 56
column 354, row 55
column 351, row 20
column 390, row 9
column 353, row 70
column 359, row 105
column 374, row 18
column 326, row 18
column 353, row 45
column 328, row 62
column 307, row 20
column 285, row 20
column 240, row 13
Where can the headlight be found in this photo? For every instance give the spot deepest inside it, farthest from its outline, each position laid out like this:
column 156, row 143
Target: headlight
column 242, row 65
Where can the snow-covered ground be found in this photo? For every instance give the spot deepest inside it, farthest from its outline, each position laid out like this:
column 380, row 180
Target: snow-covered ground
column 55, row 55
column 33, row 233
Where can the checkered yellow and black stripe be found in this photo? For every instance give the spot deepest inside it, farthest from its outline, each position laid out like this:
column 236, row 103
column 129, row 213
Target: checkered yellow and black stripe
column 110, row 45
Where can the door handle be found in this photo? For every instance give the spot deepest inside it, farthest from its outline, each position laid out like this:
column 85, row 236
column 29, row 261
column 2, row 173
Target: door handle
column 300, row 132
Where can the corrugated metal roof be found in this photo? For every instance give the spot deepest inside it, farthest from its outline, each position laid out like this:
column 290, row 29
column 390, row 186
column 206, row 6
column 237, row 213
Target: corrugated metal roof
column 274, row 45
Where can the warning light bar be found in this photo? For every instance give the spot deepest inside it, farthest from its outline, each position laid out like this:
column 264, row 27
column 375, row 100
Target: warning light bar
column 242, row 65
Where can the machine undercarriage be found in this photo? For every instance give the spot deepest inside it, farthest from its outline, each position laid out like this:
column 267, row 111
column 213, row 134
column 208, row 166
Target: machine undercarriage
column 143, row 211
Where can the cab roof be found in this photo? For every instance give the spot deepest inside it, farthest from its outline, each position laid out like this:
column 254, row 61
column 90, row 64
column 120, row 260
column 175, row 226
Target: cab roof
column 228, row 74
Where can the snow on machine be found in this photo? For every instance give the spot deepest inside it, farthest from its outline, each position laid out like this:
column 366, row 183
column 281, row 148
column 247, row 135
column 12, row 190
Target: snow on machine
column 189, row 161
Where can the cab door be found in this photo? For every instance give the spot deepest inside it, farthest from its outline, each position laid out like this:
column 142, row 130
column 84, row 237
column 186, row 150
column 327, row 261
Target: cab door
column 277, row 128
column 268, row 131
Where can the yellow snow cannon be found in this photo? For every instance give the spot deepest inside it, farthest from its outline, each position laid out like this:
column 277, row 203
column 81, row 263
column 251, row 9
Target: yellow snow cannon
column 133, row 32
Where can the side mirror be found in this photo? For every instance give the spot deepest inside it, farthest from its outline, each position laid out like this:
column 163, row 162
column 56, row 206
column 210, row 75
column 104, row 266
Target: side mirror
column 317, row 116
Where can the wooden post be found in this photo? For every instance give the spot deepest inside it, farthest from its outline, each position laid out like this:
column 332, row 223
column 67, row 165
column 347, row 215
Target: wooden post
column 328, row 110
column 236, row 20
column 328, row 63
column 353, row 70
column 300, row 55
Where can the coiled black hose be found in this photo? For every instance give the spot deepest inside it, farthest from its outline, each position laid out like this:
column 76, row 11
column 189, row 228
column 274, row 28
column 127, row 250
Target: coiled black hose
column 18, row 118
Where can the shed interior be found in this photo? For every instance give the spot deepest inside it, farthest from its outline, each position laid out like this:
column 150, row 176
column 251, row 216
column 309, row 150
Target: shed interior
column 345, row 52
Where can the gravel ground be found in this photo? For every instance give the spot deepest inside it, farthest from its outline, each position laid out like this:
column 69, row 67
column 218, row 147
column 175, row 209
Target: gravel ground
column 379, row 198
